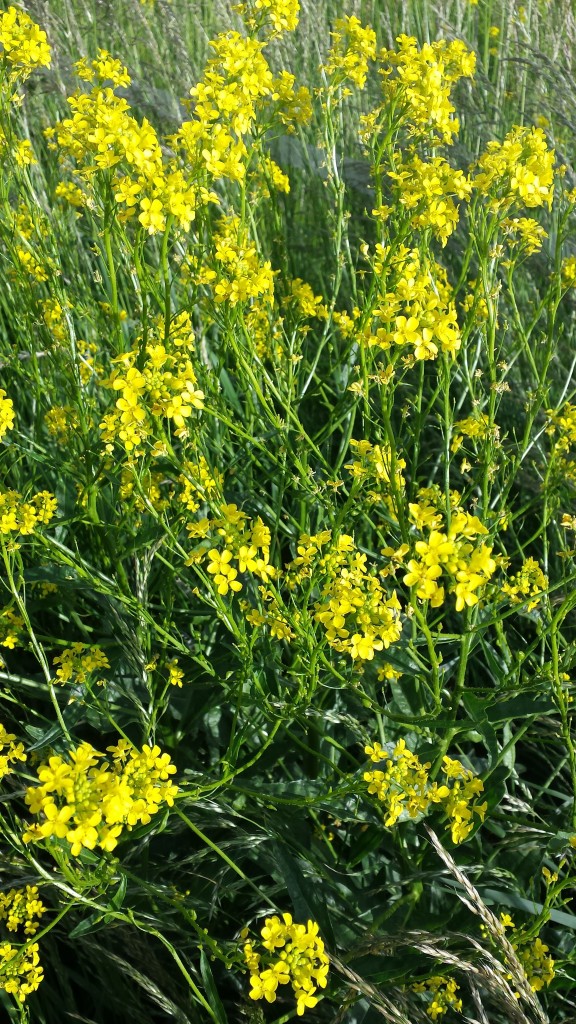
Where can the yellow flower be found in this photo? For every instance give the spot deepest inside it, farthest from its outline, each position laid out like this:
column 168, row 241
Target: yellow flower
column 353, row 45
column 6, row 413
column 20, row 970
column 224, row 574
column 78, row 662
column 19, row 516
column 431, row 188
column 152, row 216
column 442, row 992
column 530, row 582
column 519, row 168
column 291, row 954
column 420, row 90
column 276, row 16
column 22, row 908
column 24, row 44
column 405, row 789
column 175, row 673
column 89, row 802
column 10, row 752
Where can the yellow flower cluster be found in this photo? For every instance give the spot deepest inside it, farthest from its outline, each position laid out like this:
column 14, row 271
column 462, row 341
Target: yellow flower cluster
column 61, row 422
column 443, row 995
column 225, row 106
column 237, row 88
column 521, row 168
column 102, row 134
column 71, row 193
column 89, row 800
column 21, row 150
column 23, row 517
column 415, row 309
column 530, row 583
column 163, row 386
column 454, row 552
column 6, row 413
column 36, row 268
column 22, row 908
column 429, row 188
column 54, row 316
column 11, row 626
column 419, row 90
column 293, row 103
column 525, row 235
column 358, row 615
column 353, row 45
column 291, row 954
column 374, row 462
column 563, row 425
column 476, row 427
column 9, row 752
column 175, row 673
column 405, row 789
column 78, row 662
column 273, row 177
column 246, row 543
column 539, row 966
column 24, row 44
column 144, row 487
column 272, row 617
column 198, row 484
column 24, row 226
column 237, row 273
column 460, row 803
column 533, row 956
column 302, row 299
column 569, row 272
column 277, row 16
column 403, row 786
column 20, row 970
column 387, row 673
column 104, row 69
column 562, row 430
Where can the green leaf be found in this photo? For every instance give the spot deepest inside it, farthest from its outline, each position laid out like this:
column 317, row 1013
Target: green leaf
column 211, row 990
column 92, row 923
column 118, row 897
column 300, row 888
column 71, row 715
column 369, row 841
column 520, row 707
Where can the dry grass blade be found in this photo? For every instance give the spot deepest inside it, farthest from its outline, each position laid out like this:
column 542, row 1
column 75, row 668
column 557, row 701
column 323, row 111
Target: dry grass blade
column 487, row 972
column 384, row 1006
column 160, row 998
column 482, row 1018
column 495, row 929
column 483, row 971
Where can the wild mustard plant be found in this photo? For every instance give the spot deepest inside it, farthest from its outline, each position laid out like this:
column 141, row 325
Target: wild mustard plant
column 441, row 994
column 291, row 954
column 287, row 465
column 99, row 799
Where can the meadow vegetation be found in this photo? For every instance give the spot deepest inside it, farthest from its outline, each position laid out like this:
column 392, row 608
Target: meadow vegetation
column 287, row 512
